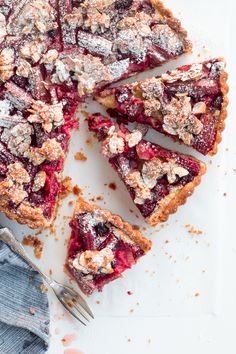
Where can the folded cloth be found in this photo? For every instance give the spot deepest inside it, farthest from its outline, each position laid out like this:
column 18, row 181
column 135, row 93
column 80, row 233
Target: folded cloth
column 24, row 310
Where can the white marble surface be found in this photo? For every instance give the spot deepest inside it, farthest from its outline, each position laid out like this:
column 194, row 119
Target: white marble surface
column 184, row 291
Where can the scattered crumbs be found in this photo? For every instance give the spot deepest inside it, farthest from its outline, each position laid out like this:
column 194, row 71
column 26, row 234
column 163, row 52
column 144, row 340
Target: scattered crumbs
column 71, row 203
column 72, row 351
column 167, row 241
column 66, row 187
column 129, row 340
column 131, row 210
column 196, row 294
column 33, row 241
column 98, row 302
column 112, row 186
column 50, row 271
column 225, row 194
column 43, row 288
column 85, row 114
column 77, row 190
column 131, row 310
column 227, row 149
column 32, row 311
column 203, row 271
column 56, row 238
column 52, row 230
column 79, row 156
column 210, row 162
column 129, row 292
column 136, row 227
column 68, row 339
column 192, row 230
column 99, row 197
column 89, row 142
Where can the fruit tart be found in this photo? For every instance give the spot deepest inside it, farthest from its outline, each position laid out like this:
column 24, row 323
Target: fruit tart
column 107, row 40
column 34, row 138
column 102, row 246
column 188, row 104
column 157, row 179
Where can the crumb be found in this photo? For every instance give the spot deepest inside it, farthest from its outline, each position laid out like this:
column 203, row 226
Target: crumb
column 99, row 197
column 225, row 194
column 52, row 230
column 56, row 238
column 196, row 294
column 98, row 302
column 137, row 303
column 85, row 114
column 43, row 288
column 192, row 230
column 77, row 190
column 79, row 156
column 32, row 311
column 50, row 271
column 167, row 241
column 136, row 227
column 129, row 292
column 131, row 310
column 129, row 340
column 112, row 186
column 71, row 202
column 66, row 187
column 33, row 241
column 131, row 210
column 89, row 142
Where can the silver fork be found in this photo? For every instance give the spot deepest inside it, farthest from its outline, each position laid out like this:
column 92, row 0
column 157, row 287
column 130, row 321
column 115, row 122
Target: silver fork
column 69, row 298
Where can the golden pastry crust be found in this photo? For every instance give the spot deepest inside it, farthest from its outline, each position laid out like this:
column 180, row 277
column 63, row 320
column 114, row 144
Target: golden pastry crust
column 170, row 204
column 223, row 113
column 117, row 221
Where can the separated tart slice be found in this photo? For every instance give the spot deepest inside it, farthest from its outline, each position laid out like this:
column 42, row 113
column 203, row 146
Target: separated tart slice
column 102, row 246
column 104, row 41
column 34, row 137
column 188, row 104
column 157, row 179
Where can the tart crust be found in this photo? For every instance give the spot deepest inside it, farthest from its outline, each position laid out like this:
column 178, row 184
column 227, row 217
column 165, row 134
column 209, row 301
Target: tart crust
column 170, row 204
column 117, row 221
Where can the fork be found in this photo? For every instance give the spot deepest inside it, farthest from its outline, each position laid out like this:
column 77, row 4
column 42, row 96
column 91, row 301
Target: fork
column 69, row 298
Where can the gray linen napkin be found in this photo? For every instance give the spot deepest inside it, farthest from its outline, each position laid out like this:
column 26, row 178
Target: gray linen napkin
column 24, row 310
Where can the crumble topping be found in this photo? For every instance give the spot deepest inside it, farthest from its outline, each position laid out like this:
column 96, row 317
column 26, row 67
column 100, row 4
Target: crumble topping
column 50, row 57
column 167, row 39
column 3, row 29
column 51, row 150
column 18, row 139
column 151, row 108
column 116, row 144
column 12, row 188
column 195, row 72
column 23, row 68
column 152, row 88
column 154, row 169
column 39, row 181
column 75, row 18
column 47, row 115
column 36, row 16
column 142, row 192
column 96, row 21
column 7, row 59
column 34, row 49
column 199, row 108
column 95, row 261
column 179, row 119
column 140, row 22
column 133, row 138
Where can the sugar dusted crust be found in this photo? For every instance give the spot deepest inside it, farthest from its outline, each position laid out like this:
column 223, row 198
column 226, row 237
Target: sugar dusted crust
column 173, row 22
column 117, row 221
column 170, row 204
column 223, row 114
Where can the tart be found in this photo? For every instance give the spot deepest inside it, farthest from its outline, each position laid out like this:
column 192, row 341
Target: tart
column 188, row 104
column 157, row 179
column 102, row 246
column 34, row 138
column 104, row 41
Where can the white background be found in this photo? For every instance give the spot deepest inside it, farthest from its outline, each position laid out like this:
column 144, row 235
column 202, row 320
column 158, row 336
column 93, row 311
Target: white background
column 164, row 315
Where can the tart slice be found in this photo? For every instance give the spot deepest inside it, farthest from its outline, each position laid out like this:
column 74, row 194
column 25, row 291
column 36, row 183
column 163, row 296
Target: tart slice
column 107, row 40
column 188, row 104
column 157, row 179
column 34, row 137
column 102, row 246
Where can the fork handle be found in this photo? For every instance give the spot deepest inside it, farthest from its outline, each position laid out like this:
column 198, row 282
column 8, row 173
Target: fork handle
column 8, row 238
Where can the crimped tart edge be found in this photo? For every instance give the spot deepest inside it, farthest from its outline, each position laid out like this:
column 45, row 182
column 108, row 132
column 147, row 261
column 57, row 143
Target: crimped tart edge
column 171, row 204
column 82, row 206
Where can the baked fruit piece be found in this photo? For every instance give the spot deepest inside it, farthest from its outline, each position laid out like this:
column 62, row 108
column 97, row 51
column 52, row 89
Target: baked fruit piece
column 102, row 246
column 188, row 104
column 34, row 138
column 157, row 179
column 107, row 40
